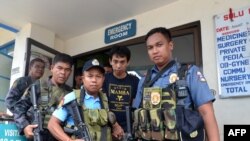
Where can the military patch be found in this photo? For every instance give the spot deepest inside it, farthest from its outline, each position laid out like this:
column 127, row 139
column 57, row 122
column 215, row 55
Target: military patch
column 173, row 77
column 201, row 77
column 155, row 98
column 152, row 97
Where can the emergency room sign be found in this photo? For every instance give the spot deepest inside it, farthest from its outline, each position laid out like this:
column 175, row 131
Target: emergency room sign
column 121, row 31
column 233, row 52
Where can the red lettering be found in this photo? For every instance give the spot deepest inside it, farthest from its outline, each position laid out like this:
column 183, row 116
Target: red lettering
column 226, row 17
column 235, row 15
column 221, row 29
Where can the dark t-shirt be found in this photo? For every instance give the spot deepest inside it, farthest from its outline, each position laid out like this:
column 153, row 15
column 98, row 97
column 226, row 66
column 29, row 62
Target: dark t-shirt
column 120, row 93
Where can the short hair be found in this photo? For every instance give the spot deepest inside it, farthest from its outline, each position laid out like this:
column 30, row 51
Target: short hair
column 164, row 31
column 107, row 64
column 62, row 57
column 32, row 62
column 120, row 51
column 78, row 72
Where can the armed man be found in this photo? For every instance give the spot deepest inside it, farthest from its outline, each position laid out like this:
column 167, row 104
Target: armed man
column 93, row 105
column 48, row 94
column 36, row 70
column 172, row 95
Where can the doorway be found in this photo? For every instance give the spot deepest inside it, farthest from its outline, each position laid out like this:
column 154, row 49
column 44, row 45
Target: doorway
column 187, row 49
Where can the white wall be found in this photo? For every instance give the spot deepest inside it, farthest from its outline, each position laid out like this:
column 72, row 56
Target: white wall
column 18, row 63
column 228, row 111
column 35, row 32
column 59, row 44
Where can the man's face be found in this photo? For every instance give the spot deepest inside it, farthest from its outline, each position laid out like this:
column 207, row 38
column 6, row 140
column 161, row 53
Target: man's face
column 78, row 80
column 60, row 72
column 119, row 64
column 36, row 70
column 93, row 80
column 159, row 49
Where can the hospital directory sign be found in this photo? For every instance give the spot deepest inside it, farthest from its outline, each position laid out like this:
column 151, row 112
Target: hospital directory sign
column 233, row 52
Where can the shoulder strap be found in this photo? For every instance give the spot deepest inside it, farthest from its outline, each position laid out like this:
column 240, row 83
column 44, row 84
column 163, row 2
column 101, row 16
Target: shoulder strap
column 182, row 71
column 82, row 95
column 104, row 100
column 78, row 95
column 181, row 83
column 148, row 82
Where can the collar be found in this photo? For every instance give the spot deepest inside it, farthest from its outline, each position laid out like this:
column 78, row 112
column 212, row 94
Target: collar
column 171, row 69
column 88, row 96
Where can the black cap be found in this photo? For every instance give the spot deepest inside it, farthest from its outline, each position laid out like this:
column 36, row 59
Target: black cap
column 93, row 63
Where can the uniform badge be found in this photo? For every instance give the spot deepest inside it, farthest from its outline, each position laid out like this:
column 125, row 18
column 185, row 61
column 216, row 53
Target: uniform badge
column 201, row 77
column 155, row 98
column 95, row 62
column 173, row 77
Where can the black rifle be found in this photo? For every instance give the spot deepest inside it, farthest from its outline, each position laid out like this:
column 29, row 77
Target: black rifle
column 129, row 136
column 82, row 131
column 37, row 114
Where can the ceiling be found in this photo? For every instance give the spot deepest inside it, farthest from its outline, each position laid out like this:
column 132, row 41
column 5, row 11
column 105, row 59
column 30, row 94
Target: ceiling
column 70, row 18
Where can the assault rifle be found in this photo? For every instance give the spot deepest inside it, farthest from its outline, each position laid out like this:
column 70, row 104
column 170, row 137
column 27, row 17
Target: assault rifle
column 37, row 114
column 129, row 136
column 82, row 131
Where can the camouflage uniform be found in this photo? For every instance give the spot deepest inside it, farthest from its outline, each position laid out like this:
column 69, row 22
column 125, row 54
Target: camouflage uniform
column 16, row 91
column 54, row 95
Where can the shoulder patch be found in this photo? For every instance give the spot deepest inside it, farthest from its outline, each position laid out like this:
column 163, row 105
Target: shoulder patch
column 172, row 78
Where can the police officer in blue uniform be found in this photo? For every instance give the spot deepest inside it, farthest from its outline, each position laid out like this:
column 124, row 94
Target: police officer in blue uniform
column 159, row 46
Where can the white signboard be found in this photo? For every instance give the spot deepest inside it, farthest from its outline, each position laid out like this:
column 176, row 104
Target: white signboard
column 233, row 52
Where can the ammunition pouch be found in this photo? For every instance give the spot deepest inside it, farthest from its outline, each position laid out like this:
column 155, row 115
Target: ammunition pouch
column 144, row 124
column 96, row 116
column 157, row 120
column 97, row 123
column 157, row 131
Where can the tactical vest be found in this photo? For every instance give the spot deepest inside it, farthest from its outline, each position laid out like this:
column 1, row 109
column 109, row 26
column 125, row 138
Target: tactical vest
column 50, row 96
column 96, row 119
column 156, row 120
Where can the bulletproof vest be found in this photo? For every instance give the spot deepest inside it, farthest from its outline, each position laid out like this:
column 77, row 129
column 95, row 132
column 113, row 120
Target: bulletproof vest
column 50, row 97
column 156, row 120
column 96, row 119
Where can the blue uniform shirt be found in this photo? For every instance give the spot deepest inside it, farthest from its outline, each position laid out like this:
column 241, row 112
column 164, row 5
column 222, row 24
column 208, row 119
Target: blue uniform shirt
column 90, row 102
column 196, row 82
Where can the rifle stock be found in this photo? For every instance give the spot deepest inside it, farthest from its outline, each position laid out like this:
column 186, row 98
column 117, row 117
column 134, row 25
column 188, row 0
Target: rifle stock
column 82, row 131
column 37, row 114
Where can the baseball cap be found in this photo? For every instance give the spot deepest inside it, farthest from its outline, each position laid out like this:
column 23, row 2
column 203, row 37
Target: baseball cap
column 93, row 63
